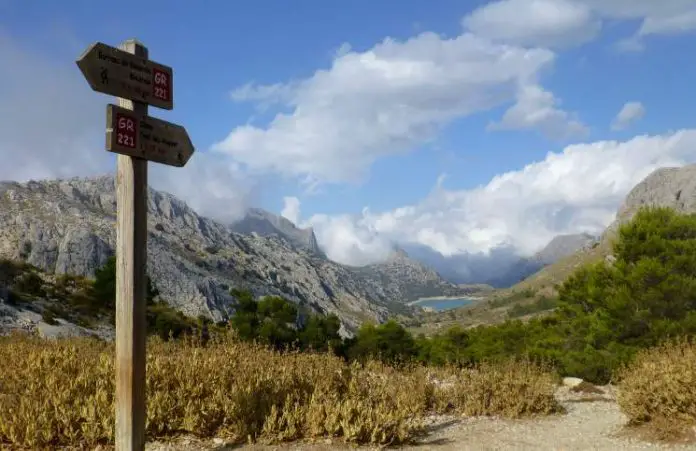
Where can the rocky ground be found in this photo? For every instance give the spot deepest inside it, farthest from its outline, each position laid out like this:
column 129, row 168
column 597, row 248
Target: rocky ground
column 593, row 421
column 22, row 319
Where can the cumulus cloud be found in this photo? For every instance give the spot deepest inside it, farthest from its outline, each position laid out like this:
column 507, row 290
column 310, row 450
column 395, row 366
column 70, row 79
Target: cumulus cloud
column 213, row 185
column 630, row 112
column 387, row 100
column 546, row 23
column 563, row 23
column 537, row 108
column 351, row 239
column 575, row 190
column 291, row 209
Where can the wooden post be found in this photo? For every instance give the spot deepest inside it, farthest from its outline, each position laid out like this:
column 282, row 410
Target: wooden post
column 131, row 259
column 137, row 138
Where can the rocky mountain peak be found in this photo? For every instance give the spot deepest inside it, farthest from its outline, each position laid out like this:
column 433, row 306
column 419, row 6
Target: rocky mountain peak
column 666, row 187
column 265, row 223
column 400, row 255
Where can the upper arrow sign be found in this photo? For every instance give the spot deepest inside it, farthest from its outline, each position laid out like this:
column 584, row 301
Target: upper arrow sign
column 122, row 74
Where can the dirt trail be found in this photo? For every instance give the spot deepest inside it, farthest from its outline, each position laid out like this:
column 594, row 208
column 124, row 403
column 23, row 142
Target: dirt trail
column 592, row 422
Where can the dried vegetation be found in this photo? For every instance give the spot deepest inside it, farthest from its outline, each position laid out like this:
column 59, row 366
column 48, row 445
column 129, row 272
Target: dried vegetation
column 60, row 392
column 658, row 391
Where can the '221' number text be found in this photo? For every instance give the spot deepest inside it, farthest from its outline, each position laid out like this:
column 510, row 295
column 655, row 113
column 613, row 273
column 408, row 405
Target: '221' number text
column 161, row 93
column 126, row 140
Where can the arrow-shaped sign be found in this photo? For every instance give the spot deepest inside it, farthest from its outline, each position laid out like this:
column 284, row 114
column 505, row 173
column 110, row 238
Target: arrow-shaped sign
column 146, row 137
column 113, row 71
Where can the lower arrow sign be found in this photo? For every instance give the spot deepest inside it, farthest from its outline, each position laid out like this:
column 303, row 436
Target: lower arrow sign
column 146, row 137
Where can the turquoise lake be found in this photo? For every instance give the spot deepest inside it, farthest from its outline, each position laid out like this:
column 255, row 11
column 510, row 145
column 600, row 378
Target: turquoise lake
column 439, row 304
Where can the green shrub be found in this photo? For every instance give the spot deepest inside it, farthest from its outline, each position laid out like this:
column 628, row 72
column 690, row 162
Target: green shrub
column 49, row 317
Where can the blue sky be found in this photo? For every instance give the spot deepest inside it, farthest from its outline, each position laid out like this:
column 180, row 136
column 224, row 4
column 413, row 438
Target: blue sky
column 377, row 124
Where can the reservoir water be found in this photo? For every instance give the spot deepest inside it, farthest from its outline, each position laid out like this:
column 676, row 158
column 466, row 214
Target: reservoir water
column 441, row 304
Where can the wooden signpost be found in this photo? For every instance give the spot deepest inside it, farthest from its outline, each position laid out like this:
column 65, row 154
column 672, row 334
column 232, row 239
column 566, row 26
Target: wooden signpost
column 128, row 74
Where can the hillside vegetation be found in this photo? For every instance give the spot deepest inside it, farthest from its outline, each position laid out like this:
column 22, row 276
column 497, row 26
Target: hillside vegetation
column 89, row 303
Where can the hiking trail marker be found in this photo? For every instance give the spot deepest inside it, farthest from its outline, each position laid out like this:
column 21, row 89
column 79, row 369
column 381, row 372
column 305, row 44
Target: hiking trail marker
column 128, row 74
column 129, row 133
column 120, row 73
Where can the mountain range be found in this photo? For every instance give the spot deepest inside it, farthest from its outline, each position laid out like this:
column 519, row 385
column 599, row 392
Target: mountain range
column 68, row 226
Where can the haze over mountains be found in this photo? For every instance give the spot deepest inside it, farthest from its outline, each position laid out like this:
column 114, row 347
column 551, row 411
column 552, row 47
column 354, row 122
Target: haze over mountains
column 502, row 266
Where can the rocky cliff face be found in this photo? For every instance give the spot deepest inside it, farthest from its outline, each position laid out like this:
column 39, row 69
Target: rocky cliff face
column 67, row 226
column 664, row 187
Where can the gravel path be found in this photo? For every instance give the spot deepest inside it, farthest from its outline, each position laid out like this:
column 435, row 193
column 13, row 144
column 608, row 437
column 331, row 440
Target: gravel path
column 592, row 422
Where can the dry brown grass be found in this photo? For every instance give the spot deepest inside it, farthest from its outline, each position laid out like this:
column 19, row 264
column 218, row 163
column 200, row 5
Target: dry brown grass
column 513, row 389
column 658, row 390
column 58, row 393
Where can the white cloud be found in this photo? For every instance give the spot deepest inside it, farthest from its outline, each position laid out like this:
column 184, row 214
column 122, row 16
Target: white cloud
column 546, row 23
column 576, row 190
column 630, row 112
column 52, row 126
column 657, row 18
column 666, row 17
column 536, row 108
column 384, row 101
column 563, row 23
column 291, row 209
column 349, row 239
column 213, row 185
column 51, row 122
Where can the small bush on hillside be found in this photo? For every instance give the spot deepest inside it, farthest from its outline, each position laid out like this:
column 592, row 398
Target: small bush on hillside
column 49, row 317
column 30, row 283
column 389, row 342
column 541, row 304
column 515, row 296
column 166, row 322
column 275, row 321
